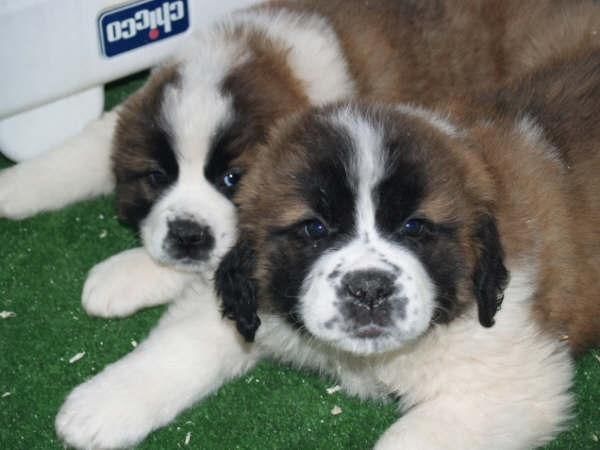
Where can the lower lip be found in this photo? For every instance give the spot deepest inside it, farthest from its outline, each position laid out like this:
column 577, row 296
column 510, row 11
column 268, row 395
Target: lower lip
column 368, row 332
column 189, row 262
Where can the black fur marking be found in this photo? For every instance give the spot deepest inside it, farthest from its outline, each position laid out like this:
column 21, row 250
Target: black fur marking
column 404, row 185
column 443, row 258
column 159, row 150
column 143, row 156
column 334, row 274
column 226, row 145
column 236, row 286
column 325, row 184
column 490, row 277
column 398, row 197
column 291, row 260
column 329, row 192
column 331, row 322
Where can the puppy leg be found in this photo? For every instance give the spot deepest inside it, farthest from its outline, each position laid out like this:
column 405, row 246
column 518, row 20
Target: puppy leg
column 190, row 354
column 515, row 395
column 77, row 170
column 441, row 424
column 474, row 423
column 130, row 281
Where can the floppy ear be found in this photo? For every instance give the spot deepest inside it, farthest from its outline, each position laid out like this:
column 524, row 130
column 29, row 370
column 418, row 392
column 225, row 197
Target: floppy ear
column 489, row 276
column 235, row 284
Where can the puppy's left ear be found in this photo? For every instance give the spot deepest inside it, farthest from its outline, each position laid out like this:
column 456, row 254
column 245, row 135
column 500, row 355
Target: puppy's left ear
column 489, row 276
column 237, row 288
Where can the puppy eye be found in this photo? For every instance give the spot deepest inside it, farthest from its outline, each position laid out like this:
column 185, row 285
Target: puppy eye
column 315, row 229
column 414, row 227
column 157, row 178
column 231, row 178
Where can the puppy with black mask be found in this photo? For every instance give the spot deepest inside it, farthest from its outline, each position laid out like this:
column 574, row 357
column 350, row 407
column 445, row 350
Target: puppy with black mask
column 440, row 257
column 183, row 142
column 175, row 150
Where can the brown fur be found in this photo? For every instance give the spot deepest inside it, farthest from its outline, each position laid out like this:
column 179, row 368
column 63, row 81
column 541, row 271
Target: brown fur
column 419, row 51
column 424, row 52
column 269, row 198
column 134, row 141
column 558, row 220
column 427, row 51
column 263, row 90
column 544, row 192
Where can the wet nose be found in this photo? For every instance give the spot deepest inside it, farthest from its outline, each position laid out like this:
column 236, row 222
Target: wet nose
column 369, row 287
column 190, row 234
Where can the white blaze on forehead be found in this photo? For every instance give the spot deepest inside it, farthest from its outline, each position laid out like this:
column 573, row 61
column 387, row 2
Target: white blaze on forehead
column 192, row 117
column 314, row 52
column 367, row 165
column 194, row 108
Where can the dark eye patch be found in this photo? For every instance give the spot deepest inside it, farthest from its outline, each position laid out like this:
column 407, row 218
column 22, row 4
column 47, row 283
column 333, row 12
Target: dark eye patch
column 140, row 184
column 398, row 196
column 227, row 144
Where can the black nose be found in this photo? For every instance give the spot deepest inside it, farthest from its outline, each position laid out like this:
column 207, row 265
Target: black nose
column 189, row 238
column 370, row 287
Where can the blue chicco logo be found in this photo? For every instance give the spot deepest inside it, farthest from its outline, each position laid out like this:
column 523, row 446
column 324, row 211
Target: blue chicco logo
column 141, row 23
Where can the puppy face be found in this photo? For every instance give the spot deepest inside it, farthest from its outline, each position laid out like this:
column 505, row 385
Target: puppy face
column 184, row 141
column 367, row 227
column 174, row 174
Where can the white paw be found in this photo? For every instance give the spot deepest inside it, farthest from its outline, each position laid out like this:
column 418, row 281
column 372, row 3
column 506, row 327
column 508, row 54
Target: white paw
column 19, row 196
column 128, row 282
column 108, row 292
column 97, row 415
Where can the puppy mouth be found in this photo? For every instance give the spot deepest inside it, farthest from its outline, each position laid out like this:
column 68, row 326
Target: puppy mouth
column 371, row 331
column 190, row 262
column 368, row 340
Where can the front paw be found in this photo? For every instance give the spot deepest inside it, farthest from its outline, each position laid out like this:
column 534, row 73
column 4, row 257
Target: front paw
column 128, row 282
column 109, row 290
column 95, row 415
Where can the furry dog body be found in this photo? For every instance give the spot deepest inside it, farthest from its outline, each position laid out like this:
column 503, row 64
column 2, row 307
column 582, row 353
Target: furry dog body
column 175, row 150
column 420, row 256
column 477, row 241
column 179, row 147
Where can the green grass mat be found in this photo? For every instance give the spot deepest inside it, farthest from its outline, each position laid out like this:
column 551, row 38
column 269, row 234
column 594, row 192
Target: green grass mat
column 43, row 263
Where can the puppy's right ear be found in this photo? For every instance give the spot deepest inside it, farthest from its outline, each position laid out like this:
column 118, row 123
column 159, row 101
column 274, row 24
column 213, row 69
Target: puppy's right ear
column 237, row 287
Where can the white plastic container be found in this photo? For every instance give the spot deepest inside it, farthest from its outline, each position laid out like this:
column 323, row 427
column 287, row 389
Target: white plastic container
column 57, row 55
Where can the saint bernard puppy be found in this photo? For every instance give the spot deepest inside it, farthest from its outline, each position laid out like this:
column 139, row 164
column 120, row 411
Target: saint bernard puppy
column 438, row 258
column 176, row 149
column 441, row 258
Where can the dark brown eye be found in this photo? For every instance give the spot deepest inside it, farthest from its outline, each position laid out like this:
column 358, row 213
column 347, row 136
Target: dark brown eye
column 315, row 229
column 231, row 178
column 157, row 178
column 414, row 227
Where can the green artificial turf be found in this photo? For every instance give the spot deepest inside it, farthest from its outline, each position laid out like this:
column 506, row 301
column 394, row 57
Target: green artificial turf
column 43, row 263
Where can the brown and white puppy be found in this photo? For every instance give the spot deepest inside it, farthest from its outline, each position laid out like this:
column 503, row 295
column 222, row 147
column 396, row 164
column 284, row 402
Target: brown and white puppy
column 187, row 137
column 436, row 257
column 182, row 142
